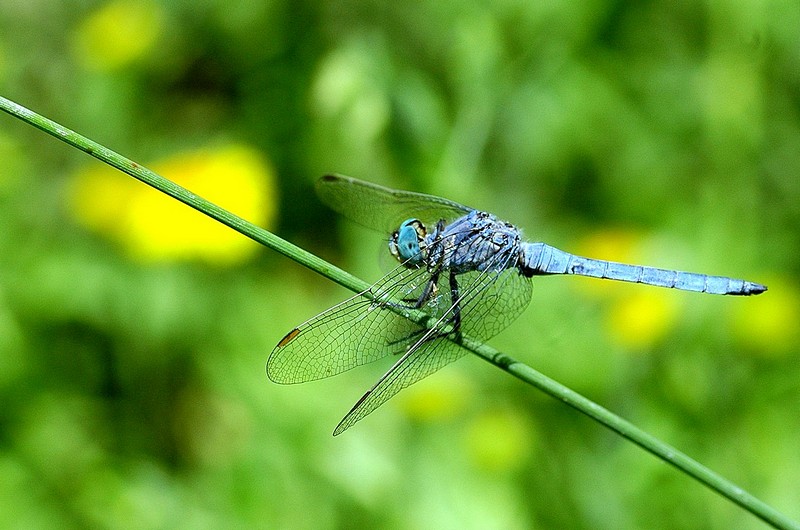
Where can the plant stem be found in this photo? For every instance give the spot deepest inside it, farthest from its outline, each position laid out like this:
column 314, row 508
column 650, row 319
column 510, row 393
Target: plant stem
column 527, row 374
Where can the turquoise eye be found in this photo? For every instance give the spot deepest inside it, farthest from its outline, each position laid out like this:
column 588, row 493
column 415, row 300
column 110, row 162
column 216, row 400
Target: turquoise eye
column 405, row 243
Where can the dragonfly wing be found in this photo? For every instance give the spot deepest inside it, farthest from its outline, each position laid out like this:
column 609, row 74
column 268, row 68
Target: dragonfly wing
column 357, row 331
column 418, row 363
column 382, row 208
column 487, row 303
column 490, row 301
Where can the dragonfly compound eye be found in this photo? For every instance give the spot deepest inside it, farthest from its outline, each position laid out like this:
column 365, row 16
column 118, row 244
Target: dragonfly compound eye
column 405, row 242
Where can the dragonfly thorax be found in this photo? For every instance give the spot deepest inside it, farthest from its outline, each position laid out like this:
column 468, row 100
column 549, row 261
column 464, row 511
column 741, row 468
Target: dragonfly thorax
column 477, row 241
column 407, row 243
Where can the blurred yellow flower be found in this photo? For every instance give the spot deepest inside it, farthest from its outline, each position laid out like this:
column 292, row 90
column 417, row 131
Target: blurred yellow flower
column 500, row 440
column 640, row 318
column 117, row 34
column 769, row 323
column 154, row 227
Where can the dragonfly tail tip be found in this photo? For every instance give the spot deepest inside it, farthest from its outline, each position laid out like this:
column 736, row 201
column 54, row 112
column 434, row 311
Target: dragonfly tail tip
column 751, row 288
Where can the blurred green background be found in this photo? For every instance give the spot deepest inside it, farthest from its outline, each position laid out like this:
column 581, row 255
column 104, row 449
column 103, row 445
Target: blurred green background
column 134, row 334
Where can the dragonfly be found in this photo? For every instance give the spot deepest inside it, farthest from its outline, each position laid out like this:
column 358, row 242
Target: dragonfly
column 461, row 272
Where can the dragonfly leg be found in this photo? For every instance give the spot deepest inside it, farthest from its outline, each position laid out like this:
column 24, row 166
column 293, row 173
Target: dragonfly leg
column 430, row 289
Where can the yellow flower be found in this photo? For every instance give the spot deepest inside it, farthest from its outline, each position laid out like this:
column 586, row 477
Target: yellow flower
column 641, row 318
column 769, row 323
column 117, row 34
column 155, row 227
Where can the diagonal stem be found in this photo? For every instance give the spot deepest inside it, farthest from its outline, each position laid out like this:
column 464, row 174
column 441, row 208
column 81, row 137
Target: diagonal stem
column 522, row 371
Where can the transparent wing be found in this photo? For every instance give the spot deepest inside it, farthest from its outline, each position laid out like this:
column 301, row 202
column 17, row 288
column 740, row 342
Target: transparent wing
column 383, row 208
column 354, row 332
column 487, row 303
column 491, row 304
column 418, row 363
column 360, row 330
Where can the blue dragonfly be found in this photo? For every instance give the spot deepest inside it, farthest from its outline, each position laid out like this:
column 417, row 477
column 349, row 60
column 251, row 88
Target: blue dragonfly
column 461, row 272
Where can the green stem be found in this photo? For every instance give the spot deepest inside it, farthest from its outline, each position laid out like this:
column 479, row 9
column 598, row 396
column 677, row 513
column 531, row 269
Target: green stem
column 527, row 374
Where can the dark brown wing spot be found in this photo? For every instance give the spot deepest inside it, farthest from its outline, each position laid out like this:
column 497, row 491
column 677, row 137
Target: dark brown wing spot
column 289, row 337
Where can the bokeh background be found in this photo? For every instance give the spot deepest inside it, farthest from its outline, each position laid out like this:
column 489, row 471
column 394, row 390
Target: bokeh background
column 133, row 333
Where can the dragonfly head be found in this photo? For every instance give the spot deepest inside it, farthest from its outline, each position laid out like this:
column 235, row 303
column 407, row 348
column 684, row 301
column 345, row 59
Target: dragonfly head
column 408, row 242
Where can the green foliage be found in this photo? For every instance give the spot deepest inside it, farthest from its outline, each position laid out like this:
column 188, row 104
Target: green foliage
column 134, row 392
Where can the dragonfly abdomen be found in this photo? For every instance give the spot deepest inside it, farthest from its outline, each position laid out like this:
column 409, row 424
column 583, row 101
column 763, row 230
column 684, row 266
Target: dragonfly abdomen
column 540, row 258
